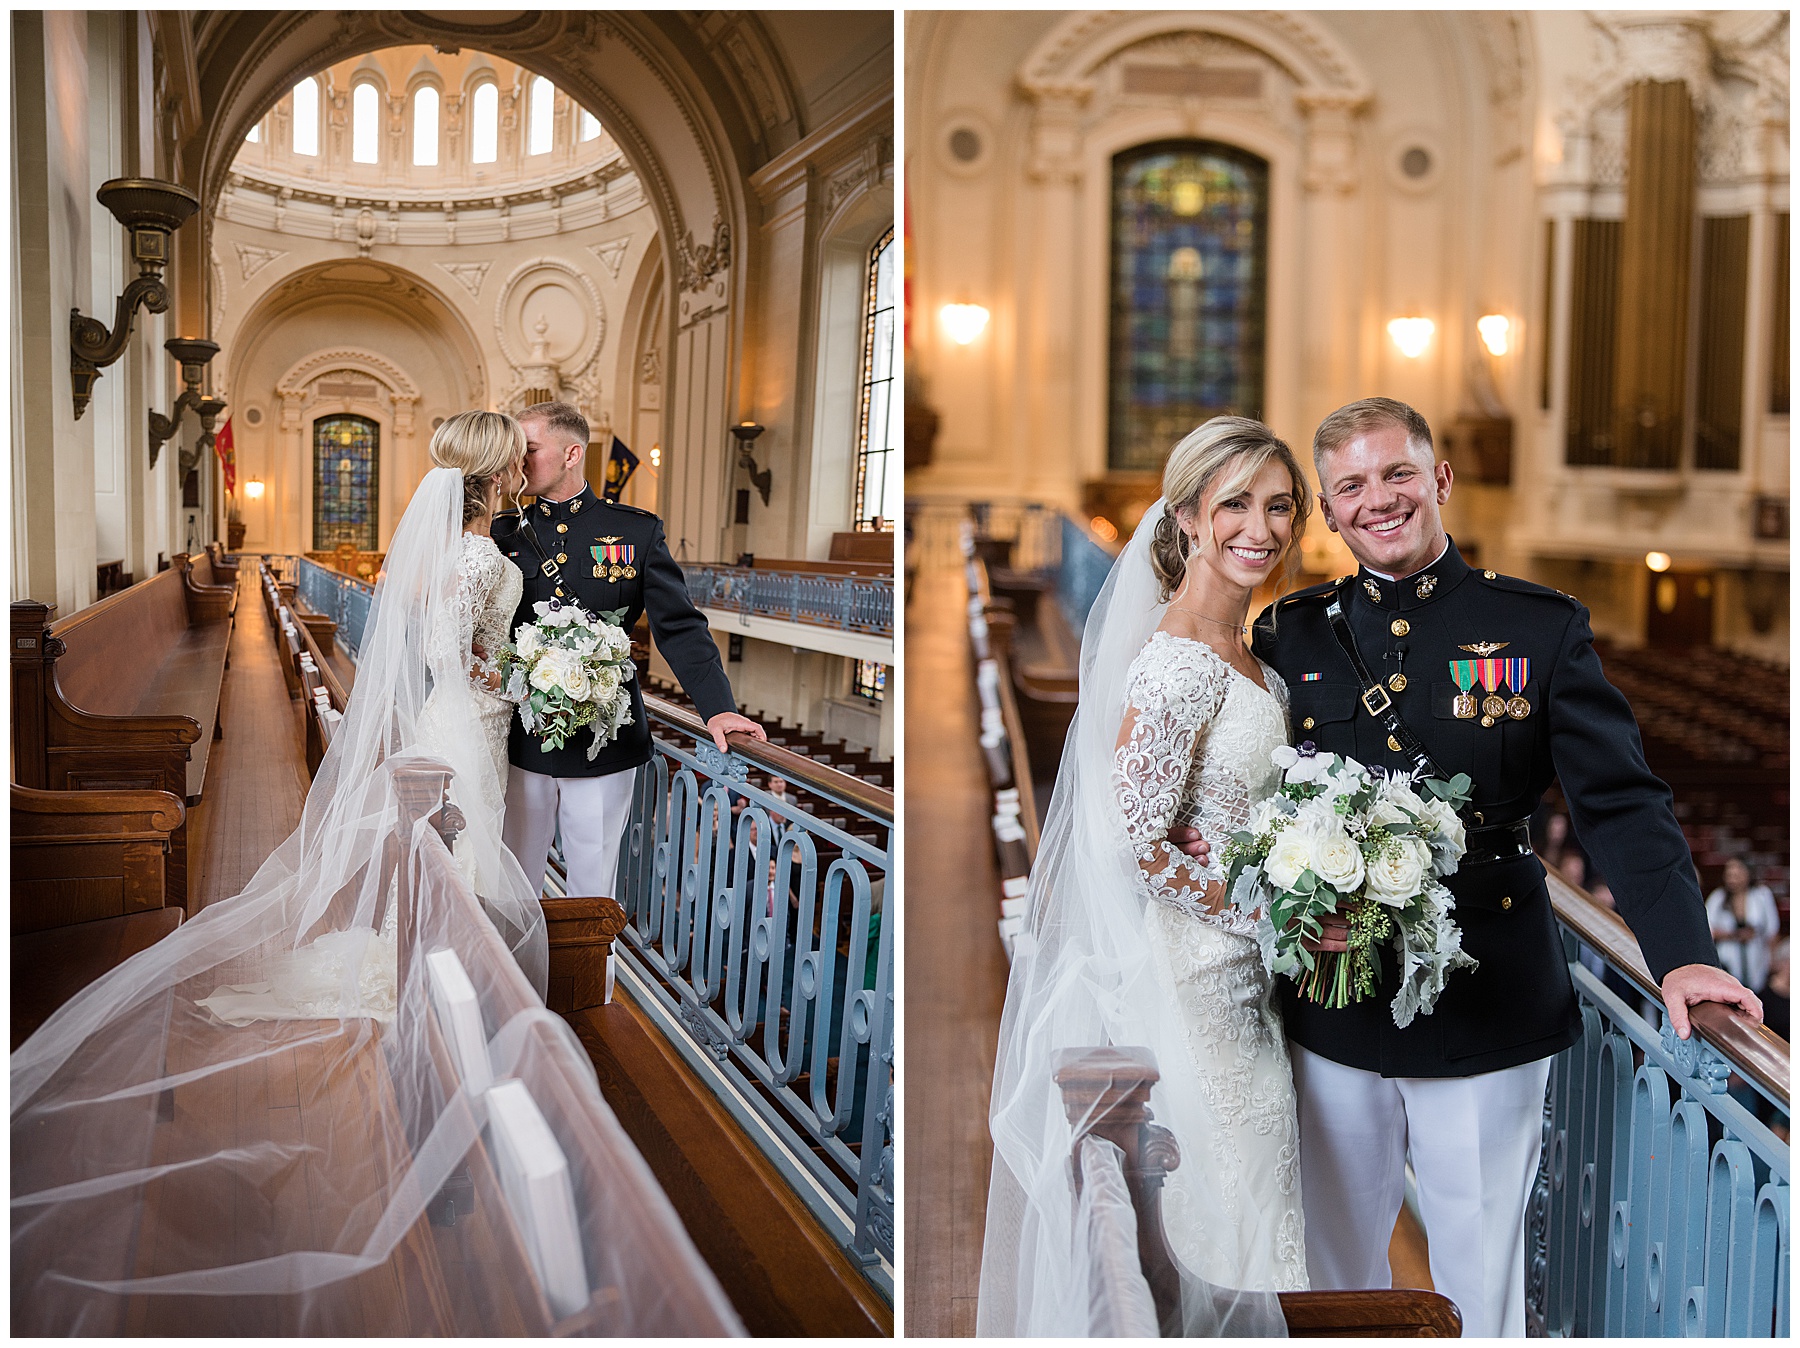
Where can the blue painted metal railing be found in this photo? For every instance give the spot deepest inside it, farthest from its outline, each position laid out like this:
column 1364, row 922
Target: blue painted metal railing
column 1082, row 572
column 757, row 926
column 1661, row 1205
column 344, row 599
column 816, row 598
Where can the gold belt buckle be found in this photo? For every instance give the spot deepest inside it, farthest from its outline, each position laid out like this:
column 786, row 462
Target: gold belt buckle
column 1369, row 703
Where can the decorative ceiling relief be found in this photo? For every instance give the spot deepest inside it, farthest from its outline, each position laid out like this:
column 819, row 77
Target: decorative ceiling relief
column 469, row 275
column 549, row 317
column 612, row 253
column 700, row 263
column 253, row 259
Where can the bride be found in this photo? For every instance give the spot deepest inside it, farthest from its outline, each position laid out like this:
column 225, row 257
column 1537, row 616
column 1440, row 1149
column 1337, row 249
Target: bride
column 1131, row 943
column 258, row 1148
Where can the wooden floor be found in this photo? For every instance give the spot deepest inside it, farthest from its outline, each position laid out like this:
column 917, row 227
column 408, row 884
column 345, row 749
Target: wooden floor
column 955, row 966
column 256, row 781
column 956, row 976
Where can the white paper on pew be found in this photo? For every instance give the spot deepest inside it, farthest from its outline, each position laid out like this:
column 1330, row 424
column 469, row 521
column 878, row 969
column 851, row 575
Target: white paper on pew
column 535, row 1177
column 1014, row 887
column 459, row 1017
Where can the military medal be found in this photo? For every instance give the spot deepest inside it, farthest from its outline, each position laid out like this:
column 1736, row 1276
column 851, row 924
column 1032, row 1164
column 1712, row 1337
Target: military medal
column 1462, row 672
column 614, row 559
column 1493, row 706
column 1518, row 674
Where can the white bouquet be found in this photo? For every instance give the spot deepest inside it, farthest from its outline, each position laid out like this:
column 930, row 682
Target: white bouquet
column 1338, row 839
column 568, row 670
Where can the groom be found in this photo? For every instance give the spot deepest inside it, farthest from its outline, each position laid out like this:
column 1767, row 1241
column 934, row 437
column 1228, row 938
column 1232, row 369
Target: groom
column 576, row 548
column 1497, row 678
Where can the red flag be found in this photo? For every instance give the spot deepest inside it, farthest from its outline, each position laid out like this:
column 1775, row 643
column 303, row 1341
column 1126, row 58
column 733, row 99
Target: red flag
column 227, row 453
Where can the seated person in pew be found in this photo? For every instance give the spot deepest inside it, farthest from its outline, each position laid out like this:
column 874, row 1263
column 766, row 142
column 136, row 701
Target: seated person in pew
column 253, row 1126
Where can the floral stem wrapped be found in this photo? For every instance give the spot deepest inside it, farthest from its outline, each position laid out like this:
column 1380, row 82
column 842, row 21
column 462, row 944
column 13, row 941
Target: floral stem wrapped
column 1337, row 840
column 568, row 671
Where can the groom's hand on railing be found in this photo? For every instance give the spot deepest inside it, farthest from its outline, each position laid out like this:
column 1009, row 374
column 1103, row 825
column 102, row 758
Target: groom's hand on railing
column 1694, row 983
column 730, row 723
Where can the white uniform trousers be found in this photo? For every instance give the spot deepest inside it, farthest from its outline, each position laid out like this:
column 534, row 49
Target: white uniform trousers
column 592, row 813
column 1474, row 1143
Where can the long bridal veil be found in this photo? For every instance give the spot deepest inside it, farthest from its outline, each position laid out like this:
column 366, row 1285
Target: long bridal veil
column 1083, row 978
column 167, row 1164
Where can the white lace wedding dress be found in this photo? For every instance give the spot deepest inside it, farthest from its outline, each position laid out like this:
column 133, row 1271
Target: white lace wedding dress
column 315, row 982
column 1197, row 753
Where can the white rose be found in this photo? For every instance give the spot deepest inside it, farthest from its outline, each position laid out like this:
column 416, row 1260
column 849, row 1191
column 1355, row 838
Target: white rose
column 1396, row 876
column 1265, row 814
column 576, row 683
column 605, row 680
column 1385, row 814
column 1291, row 855
column 1397, row 791
column 1422, row 850
column 552, row 671
column 1337, row 860
column 1445, row 822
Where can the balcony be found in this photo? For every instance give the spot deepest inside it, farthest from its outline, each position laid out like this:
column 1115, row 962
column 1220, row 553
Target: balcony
column 841, row 608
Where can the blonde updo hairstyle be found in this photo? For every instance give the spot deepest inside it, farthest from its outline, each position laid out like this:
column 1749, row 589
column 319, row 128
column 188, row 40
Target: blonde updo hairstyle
column 485, row 445
column 1218, row 460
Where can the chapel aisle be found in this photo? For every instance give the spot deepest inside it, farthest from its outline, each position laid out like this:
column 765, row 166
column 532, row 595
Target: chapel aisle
column 955, row 967
column 256, row 780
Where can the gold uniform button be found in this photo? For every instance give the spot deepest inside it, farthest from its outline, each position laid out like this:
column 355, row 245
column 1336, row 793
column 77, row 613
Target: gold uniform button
column 562, row 557
column 1480, row 817
column 1487, row 720
column 1506, row 902
column 1399, row 627
column 1397, row 682
column 1393, row 744
column 559, row 591
column 562, row 528
column 1307, row 724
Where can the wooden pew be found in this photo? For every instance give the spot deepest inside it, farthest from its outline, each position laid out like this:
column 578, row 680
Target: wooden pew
column 123, row 695
column 1106, row 1093
column 89, row 890
column 211, row 596
column 224, row 564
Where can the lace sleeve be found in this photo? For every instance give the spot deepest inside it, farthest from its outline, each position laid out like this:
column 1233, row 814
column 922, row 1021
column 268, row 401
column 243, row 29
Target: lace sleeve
column 1170, row 707
column 453, row 632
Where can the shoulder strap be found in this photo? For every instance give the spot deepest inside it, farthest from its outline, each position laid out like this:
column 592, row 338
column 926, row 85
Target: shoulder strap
column 1374, row 697
column 545, row 565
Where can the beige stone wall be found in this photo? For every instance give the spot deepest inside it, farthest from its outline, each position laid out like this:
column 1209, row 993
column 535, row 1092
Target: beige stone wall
column 1012, row 121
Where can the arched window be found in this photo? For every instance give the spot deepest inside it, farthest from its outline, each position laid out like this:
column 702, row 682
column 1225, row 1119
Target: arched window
column 541, row 130
column 484, row 142
column 1189, row 293
column 365, row 124
column 255, row 136
column 306, row 116
column 425, row 126
column 878, row 477
column 590, row 125
column 346, row 469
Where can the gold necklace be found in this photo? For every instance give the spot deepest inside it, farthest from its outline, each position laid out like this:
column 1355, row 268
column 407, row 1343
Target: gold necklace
column 1239, row 628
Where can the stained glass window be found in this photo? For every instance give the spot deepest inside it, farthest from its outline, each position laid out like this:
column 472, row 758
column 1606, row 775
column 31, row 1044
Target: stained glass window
column 1190, row 226
column 346, row 467
column 879, row 487
column 869, row 680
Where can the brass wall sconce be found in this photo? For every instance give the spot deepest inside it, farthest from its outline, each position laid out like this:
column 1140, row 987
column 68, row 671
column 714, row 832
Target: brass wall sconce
column 152, row 211
column 194, row 353
column 760, row 478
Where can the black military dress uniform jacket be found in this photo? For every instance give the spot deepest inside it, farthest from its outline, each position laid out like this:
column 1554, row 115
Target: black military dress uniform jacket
column 632, row 570
column 1519, row 1005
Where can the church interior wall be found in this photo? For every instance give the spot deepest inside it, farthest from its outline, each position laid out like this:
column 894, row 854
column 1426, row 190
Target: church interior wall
column 1413, row 161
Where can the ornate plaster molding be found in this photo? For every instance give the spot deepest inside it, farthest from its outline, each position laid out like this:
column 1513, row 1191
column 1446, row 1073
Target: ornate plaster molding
column 295, row 383
column 469, row 275
column 582, row 284
column 612, row 254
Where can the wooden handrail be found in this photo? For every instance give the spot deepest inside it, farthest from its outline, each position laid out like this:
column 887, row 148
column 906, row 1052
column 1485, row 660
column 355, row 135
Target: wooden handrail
column 797, row 768
column 1754, row 1051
